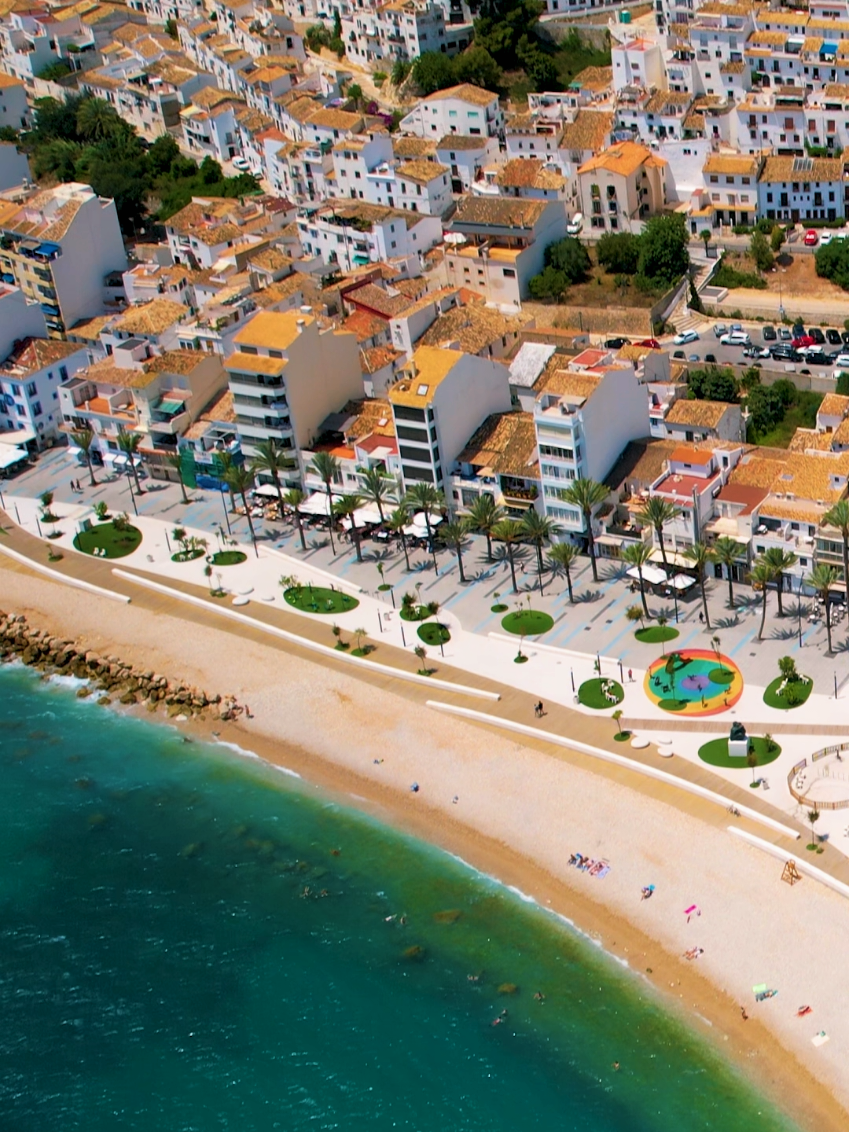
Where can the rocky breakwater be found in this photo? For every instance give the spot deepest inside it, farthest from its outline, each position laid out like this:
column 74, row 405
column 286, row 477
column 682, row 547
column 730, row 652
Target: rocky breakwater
column 108, row 678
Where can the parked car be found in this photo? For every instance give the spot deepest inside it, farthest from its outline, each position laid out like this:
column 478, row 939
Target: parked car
column 649, row 344
column 833, row 337
column 784, row 334
column 842, row 360
column 785, row 353
column 679, row 355
column 736, row 338
column 811, row 238
column 845, row 337
column 719, row 329
column 756, row 352
column 802, row 342
column 616, row 343
column 575, row 224
column 711, row 358
column 685, row 337
column 826, row 238
column 817, row 358
column 817, row 335
column 769, row 334
column 693, row 358
column 735, row 327
column 242, row 164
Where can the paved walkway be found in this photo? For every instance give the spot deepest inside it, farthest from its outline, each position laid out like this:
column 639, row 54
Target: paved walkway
column 515, row 704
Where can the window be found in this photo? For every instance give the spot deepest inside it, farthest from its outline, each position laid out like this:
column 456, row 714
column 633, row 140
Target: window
column 508, row 272
column 36, row 408
column 31, row 389
column 63, row 373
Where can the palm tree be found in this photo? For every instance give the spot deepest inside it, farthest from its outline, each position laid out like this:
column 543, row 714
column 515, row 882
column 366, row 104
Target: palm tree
column 617, row 716
column 376, row 486
column 813, row 818
column 634, row 613
column 427, row 498
column 562, row 555
column 539, row 529
column 396, row 522
column 455, row 537
column 271, row 458
column 176, row 463
column 656, row 513
column 638, row 555
column 586, row 495
column 822, row 579
column 483, row 516
column 780, row 560
column 328, row 469
column 509, row 531
column 97, row 120
column 671, row 664
column 241, row 479
column 700, row 555
column 837, row 517
column 84, row 438
column 345, row 506
column 761, row 575
column 293, row 500
column 727, row 552
column 225, row 462
column 421, row 654
column 129, row 443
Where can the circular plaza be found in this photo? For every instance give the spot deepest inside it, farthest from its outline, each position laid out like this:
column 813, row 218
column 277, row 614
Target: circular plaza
column 694, row 682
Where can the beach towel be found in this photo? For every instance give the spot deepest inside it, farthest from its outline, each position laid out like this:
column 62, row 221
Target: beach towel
column 820, row 1039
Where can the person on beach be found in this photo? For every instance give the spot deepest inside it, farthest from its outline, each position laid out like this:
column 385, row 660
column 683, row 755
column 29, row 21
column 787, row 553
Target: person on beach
column 743, row 1014
column 630, row 676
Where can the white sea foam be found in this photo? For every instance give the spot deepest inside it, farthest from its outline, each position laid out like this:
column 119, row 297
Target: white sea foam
column 246, row 754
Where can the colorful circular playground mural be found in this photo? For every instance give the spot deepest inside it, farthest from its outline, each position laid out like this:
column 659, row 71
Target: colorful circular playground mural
column 694, row 682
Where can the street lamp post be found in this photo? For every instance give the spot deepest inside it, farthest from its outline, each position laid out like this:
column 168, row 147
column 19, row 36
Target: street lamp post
column 132, row 495
column 226, row 516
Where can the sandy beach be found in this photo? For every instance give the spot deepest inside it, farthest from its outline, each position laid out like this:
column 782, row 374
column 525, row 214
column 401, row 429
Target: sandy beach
column 520, row 812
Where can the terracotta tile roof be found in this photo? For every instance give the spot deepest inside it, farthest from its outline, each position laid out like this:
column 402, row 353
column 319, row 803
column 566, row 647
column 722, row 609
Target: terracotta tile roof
column 365, row 325
column 809, row 440
column 269, row 259
column 523, row 172
column 663, row 100
column 565, row 383
column 694, row 123
column 336, row 120
column 219, row 411
column 792, row 511
column 90, row 328
column 7, row 81
column 756, row 470
column 732, row 68
column 834, row 405
column 34, row 354
column 456, row 142
column 500, row 212
column 430, row 366
column 473, row 327
column 421, row 172
column 702, row 414
column 641, row 462
column 624, row 158
column 505, row 443
column 810, row 477
column 588, row 131
column 151, row 318
column 373, row 418
column 783, row 169
column 732, row 163
column 175, row 361
column 377, row 357
column 836, row 90
column 378, row 300
column 749, row 497
column 768, row 38
column 596, row 79
column 410, row 147
column 467, row 93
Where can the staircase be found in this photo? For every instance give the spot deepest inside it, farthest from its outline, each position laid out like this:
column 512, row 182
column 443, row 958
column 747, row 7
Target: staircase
column 682, row 318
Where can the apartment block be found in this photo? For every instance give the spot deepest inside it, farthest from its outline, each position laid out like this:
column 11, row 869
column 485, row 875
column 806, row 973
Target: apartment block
column 348, row 234
column 465, row 109
column 30, row 378
column 622, row 187
column 286, row 376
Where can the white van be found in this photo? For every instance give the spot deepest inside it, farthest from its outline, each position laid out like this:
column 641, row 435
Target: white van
column 575, row 224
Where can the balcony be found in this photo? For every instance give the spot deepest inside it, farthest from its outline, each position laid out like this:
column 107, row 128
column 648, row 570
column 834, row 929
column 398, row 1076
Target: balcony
column 170, row 426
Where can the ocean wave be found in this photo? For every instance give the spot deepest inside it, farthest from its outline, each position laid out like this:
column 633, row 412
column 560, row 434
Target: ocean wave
column 246, row 754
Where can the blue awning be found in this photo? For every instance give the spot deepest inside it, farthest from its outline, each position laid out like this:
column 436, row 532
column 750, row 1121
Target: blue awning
column 828, row 49
column 48, row 249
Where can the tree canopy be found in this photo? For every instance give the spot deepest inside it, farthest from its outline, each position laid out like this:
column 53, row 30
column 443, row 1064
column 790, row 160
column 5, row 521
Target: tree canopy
column 566, row 261
column 712, row 385
column 832, row 262
column 84, row 139
column 664, row 254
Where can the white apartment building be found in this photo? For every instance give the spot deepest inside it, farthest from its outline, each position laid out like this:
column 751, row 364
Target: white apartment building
column 658, row 115
column 286, row 377
column 298, row 170
column 58, row 246
column 401, row 29
column 690, row 481
column 465, row 109
column 14, row 109
column 637, row 63
column 31, row 40
column 30, row 377
column 465, row 158
column 802, row 188
column 771, row 120
column 349, row 234
column 587, row 409
column 498, row 244
column 731, row 188
column 621, row 187
column 439, row 401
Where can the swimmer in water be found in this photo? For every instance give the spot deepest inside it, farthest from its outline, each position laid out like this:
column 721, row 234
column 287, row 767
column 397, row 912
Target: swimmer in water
column 539, row 996
column 615, row 1064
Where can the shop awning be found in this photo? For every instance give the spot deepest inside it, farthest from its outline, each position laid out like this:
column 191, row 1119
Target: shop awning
column 650, row 574
column 10, row 456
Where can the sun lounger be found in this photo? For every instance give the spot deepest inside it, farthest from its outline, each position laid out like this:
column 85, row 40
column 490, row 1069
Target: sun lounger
column 820, row 1039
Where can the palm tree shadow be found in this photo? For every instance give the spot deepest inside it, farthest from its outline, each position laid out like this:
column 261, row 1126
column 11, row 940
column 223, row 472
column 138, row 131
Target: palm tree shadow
column 726, row 622
column 750, row 601
column 587, row 597
column 787, row 634
column 840, row 646
column 614, row 574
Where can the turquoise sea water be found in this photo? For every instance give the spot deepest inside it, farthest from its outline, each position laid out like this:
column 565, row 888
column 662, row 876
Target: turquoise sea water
column 161, row 968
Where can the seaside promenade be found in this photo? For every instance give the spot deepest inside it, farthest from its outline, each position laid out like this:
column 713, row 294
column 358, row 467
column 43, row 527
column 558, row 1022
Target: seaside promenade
column 514, row 705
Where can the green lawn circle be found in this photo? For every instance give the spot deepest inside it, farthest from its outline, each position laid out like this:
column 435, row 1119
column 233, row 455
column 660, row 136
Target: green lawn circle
column 591, row 695
column 721, row 676
column 434, row 633
column 319, row 600
column 500, row 607
column 228, row 557
column 414, row 613
column 772, row 698
column 672, row 705
column 106, row 536
column 530, row 622
column 190, row 556
column 715, row 753
column 657, row 634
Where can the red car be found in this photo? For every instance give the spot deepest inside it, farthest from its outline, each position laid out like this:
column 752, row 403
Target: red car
column 650, row 343
column 801, row 342
column 811, row 238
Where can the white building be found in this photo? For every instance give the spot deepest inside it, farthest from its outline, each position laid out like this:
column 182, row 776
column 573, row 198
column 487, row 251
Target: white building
column 30, row 378
column 401, row 29
column 465, row 109
column 286, row 377
column 802, row 188
column 58, row 246
column 348, row 234
column 14, row 110
column 440, row 400
column 587, row 409
column 466, row 158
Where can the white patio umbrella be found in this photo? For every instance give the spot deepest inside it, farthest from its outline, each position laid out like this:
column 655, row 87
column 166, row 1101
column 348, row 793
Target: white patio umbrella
column 420, row 522
column 266, row 489
column 317, row 504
